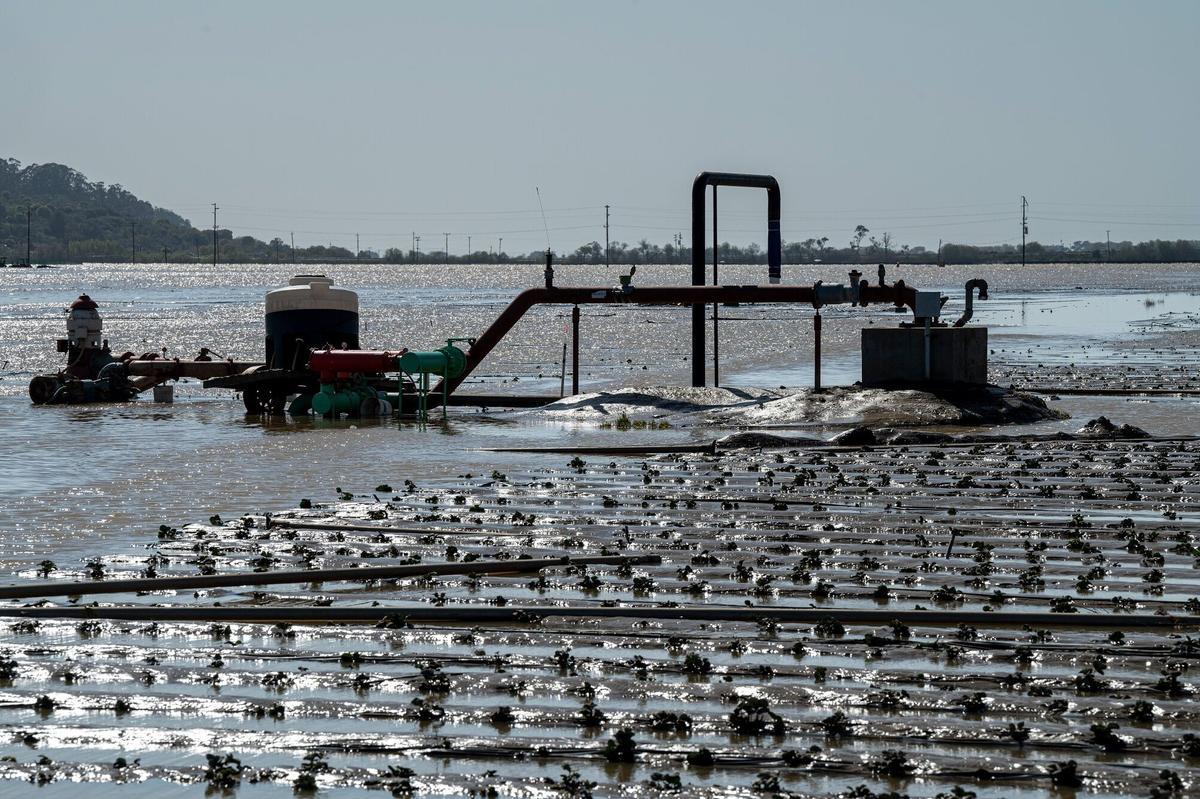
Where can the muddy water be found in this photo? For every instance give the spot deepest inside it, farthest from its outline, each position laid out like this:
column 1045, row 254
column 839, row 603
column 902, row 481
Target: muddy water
column 72, row 479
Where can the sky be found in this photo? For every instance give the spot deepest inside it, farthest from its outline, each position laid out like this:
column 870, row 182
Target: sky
column 927, row 120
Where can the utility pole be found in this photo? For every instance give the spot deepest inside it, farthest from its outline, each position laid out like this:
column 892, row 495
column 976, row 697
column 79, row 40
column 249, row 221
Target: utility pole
column 214, row 234
column 133, row 242
column 468, row 248
column 357, row 247
column 28, row 234
column 500, row 249
column 293, row 247
column 1024, row 226
column 447, row 237
column 1108, row 243
column 414, row 247
column 606, row 248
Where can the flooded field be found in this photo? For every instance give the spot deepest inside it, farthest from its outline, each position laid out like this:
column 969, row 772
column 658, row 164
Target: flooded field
column 1001, row 619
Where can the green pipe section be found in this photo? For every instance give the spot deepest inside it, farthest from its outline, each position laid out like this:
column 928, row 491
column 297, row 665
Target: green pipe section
column 447, row 362
column 332, row 401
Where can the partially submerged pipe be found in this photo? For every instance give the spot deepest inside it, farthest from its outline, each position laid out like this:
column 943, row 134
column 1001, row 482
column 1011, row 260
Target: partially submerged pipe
column 515, row 566
column 976, row 283
column 475, row 614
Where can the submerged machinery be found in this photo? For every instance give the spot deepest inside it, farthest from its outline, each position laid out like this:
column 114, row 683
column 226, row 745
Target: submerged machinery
column 309, row 313
column 92, row 374
column 313, row 362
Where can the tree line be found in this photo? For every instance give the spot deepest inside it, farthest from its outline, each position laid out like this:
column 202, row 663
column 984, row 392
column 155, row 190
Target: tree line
column 71, row 219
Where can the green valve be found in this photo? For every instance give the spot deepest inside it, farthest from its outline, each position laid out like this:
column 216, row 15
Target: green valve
column 447, row 362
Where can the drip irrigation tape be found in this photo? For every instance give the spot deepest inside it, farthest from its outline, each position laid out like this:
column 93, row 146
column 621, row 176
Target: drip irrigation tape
column 516, row 566
column 483, row 615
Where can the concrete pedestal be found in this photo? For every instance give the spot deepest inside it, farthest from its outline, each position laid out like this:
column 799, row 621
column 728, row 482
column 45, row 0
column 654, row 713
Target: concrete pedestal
column 896, row 356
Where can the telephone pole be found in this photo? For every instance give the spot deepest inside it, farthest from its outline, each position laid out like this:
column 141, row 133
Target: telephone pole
column 447, row 237
column 500, row 249
column 1024, row 226
column 214, row 234
column 133, row 242
column 1108, row 243
column 28, row 234
column 357, row 247
column 606, row 248
column 468, row 248
column 293, row 247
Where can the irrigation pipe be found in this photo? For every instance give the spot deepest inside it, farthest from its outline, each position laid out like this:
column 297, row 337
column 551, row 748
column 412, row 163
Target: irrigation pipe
column 528, row 614
column 300, row 524
column 649, row 449
column 516, row 566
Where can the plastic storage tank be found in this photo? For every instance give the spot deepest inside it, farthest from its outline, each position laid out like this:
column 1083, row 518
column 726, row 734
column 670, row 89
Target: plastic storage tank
column 309, row 310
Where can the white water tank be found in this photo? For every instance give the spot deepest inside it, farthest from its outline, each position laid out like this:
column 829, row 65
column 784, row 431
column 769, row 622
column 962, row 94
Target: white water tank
column 308, row 313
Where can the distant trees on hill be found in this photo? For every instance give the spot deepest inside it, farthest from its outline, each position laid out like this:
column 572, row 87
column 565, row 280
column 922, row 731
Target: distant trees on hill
column 73, row 219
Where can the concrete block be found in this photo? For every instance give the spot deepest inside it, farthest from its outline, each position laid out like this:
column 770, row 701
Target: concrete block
column 896, row 356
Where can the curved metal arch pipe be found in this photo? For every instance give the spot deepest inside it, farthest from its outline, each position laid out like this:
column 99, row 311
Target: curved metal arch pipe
column 774, row 245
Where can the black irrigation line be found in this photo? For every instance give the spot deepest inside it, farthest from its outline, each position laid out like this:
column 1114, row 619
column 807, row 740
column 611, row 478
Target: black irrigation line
column 534, row 613
column 329, row 527
column 714, row 447
column 1111, row 392
column 237, row 580
column 634, row 449
column 817, row 765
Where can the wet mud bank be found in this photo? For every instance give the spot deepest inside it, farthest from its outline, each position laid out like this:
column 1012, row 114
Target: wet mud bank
column 1004, row 617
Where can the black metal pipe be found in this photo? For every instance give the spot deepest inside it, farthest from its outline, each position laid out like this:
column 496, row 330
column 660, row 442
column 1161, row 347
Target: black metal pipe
column 716, row 305
column 362, row 574
column 575, row 351
column 774, row 245
column 425, row 613
column 976, row 283
column 817, row 351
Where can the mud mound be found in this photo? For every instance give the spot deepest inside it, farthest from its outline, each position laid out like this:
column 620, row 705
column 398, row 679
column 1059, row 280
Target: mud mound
column 849, row 405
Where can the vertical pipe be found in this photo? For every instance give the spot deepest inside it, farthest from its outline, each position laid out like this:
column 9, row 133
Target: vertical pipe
column 928, row 364
column 698, row 189
column 716, row 306
column 575, row 350
column 817, row 351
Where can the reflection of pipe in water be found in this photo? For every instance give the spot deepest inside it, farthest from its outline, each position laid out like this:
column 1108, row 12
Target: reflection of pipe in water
column 976, row 283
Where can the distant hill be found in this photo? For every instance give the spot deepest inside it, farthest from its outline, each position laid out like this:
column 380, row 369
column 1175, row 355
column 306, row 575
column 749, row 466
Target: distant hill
column 72, row 219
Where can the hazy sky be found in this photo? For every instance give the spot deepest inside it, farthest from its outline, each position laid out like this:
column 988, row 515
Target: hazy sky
column 925, row 119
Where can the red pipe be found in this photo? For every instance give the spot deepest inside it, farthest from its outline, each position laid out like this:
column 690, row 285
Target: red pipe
column 898, row 295
column 331, row 363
